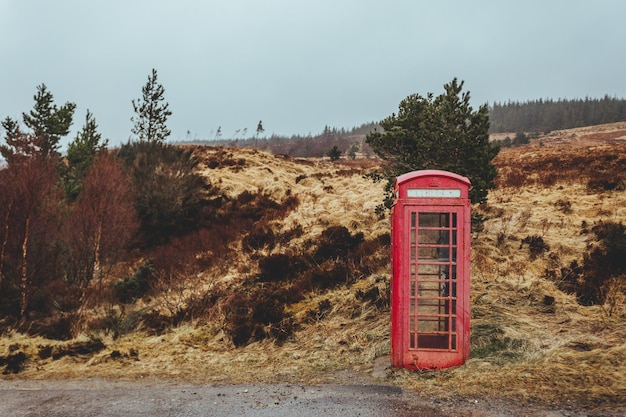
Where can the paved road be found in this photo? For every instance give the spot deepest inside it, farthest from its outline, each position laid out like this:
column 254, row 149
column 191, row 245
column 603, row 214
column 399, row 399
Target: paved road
column 107, row 398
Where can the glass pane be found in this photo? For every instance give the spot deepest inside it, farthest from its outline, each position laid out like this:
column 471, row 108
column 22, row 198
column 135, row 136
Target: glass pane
column 429, row 292
column 429, row 286
column 427, row 236
column 428, row 271
column 432, row 341
column 413, row 219
column 428, row 324
column 434, row 219
column 427, row 253
column 427, row 307
column 434, row 237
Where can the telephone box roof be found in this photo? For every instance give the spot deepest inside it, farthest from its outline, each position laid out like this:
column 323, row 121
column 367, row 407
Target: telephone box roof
column 431, row 173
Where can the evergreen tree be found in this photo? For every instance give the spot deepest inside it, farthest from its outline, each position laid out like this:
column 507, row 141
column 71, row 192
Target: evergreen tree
column 441, row 132
column 81, row 153
column 48, row 122
column 334, row 153
column 259, row 128
column 88, row 142
column 19, row 146
column 150, row 122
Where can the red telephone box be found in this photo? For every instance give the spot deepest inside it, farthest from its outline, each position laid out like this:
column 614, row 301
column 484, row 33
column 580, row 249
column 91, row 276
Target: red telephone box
column 430, row 283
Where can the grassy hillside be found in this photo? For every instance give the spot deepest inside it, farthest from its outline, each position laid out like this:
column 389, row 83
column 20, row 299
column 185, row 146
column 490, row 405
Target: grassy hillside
column 296, row 286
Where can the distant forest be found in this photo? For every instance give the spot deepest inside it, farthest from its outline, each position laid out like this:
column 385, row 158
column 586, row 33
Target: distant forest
column 531, row 117
column 548, row 115
column 350, row 142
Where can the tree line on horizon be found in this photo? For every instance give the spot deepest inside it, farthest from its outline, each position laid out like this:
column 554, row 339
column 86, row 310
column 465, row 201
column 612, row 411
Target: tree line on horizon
column 548, row 115
column 533, row 116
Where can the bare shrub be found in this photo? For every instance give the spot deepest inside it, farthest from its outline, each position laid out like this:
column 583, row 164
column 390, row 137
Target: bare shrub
column 524, row 218
column 336, row 242
column 236, row 318
column 287, row 236
column 118, row 321
column 330, row 274
column 564, row 206
column 605, row 181
column 261, row 236
column 323, row 308
column 614, row 294
column 256, row 316
column 513, row 178
column 536, row 246
column 547, row 178
column 605, row 260
column 602, row 275
column 54, row 327
column 504, row 229
column 566, row 278
column 13, row 362
column 374, row 296
column 280, row 266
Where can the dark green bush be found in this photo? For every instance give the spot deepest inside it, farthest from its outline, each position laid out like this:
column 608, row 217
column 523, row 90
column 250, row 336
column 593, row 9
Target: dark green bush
column 134, row 286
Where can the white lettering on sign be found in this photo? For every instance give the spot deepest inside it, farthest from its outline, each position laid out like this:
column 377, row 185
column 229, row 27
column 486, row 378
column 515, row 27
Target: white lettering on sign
column 433, row 192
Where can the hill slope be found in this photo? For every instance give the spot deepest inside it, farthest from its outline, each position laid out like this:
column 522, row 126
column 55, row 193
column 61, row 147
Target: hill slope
column 531, row 337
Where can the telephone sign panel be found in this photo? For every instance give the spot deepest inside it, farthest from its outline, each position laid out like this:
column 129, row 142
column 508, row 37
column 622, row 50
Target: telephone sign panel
column 430, row 284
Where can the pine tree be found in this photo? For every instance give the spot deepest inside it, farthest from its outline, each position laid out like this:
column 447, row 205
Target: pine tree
column 88, row 142
column 150, row 122
column 259, row 130
column 81, row 153
column 19, row 146
column 334, row 153
column 48, row 122
column 441, row 132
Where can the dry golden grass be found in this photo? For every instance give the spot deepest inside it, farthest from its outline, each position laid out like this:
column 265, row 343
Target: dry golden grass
column 530, row 340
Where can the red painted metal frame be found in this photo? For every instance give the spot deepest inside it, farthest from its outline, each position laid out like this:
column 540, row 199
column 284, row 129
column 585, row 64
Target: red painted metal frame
column 402, row 353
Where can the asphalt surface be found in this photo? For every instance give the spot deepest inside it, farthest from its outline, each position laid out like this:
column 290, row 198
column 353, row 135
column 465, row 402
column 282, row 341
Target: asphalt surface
column 109, row 398
column 106, row 398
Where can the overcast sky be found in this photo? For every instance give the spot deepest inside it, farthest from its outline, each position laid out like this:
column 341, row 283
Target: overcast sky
column 299, row 65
